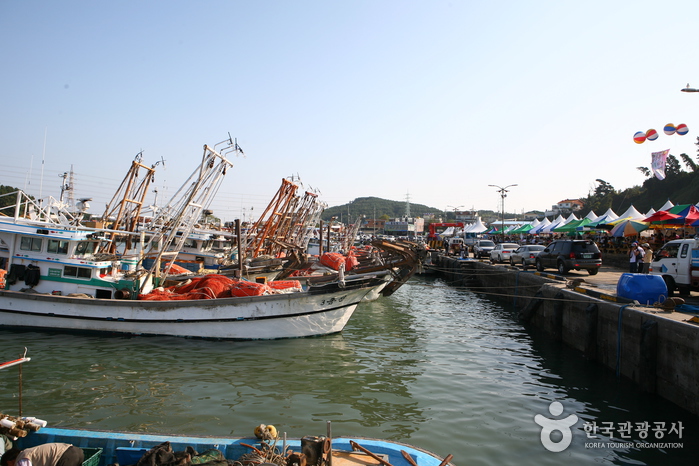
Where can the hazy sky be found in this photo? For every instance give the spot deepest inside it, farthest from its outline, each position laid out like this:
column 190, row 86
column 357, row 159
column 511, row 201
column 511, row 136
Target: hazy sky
column 430, row 100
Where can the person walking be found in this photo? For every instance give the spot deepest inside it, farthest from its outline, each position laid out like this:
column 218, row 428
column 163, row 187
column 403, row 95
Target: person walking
column 647, row 258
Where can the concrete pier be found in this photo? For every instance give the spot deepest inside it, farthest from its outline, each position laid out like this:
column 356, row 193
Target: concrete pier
column 656, row 349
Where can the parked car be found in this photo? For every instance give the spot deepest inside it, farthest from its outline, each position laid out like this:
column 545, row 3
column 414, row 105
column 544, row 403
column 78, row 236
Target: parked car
column 502, row 251
column 526, row 255
column 482, row 248
column 568, row 254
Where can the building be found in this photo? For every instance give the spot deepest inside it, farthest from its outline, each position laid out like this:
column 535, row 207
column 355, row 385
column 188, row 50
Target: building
column 407, row 226
column 565, row 208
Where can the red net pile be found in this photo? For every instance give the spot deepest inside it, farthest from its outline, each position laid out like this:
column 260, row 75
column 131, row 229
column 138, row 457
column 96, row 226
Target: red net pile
column 218, row 286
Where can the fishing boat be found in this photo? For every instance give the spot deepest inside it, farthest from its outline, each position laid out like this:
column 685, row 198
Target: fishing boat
column 60, row 276
column 277, row 246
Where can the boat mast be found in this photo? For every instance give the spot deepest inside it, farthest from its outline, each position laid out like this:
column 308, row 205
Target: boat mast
column 174, row 222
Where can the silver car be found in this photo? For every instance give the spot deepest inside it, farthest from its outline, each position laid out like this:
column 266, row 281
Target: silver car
column 501, row 252
column 526, row 255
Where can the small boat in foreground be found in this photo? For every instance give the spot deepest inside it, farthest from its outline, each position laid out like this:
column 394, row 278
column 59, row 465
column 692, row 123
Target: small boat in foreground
column 267, row 447
column 127, row 448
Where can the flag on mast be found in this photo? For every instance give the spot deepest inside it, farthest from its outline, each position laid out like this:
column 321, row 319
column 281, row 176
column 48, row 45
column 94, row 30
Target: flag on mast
column 658, row 163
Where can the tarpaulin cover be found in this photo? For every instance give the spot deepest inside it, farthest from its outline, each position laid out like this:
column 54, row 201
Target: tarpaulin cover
column 332, row 259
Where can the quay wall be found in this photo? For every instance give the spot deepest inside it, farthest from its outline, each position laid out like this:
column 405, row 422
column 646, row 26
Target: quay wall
column 658, row 353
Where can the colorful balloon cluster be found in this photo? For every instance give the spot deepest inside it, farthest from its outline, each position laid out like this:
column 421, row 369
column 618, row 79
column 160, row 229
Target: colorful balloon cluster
column 652, row 135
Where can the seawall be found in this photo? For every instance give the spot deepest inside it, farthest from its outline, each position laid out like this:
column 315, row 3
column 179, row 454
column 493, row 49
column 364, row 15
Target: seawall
column 658, row 353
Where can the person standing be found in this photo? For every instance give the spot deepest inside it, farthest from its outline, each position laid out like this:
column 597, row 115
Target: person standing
column 647, row 258
column 634, row 257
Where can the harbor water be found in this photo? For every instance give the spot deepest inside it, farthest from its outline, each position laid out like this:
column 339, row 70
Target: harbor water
column 434, row 365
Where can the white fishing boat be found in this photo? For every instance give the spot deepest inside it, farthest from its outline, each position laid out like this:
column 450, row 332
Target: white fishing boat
column 57, row 279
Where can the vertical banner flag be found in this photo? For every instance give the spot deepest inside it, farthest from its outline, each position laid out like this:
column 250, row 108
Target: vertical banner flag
column 658, row 163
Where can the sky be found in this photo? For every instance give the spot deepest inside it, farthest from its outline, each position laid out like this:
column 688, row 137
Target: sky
column 422, row 101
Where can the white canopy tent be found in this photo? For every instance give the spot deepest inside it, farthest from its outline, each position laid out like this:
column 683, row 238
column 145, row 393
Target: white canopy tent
column 537, row 229
column 667, row 206
column 477, row 227
column 632, row 214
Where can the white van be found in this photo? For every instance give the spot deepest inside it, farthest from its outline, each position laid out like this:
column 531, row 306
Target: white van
column 678, row 263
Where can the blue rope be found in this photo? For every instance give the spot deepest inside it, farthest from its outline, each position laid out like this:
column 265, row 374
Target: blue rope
column 618, row 339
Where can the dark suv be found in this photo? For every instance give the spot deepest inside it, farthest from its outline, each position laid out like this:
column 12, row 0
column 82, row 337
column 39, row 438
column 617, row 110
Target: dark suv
column 482, row 248
column 567, row 254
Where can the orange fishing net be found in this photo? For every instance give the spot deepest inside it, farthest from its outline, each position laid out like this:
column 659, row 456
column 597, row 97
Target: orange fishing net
column 218, row 286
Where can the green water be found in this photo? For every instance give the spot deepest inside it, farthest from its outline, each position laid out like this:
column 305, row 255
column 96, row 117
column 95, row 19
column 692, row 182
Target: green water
column 433, row 365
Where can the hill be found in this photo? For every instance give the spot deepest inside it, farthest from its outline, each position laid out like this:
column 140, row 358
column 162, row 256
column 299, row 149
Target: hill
column 375, row 207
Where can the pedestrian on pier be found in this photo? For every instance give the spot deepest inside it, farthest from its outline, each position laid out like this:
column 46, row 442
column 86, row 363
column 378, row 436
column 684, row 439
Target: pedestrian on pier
column 647, row 258
column 635, row 257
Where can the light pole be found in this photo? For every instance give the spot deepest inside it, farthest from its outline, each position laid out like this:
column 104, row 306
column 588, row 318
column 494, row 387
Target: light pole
column 455, row 209
column 503, row 194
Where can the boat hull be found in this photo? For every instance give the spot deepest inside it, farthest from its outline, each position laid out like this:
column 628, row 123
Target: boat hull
column 116, row 445
column 319, row 311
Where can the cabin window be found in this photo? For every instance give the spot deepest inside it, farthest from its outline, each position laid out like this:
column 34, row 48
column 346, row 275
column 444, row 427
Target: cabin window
column 683, row 252
column 670, row 250
column 57, row 246
column 30, row 244
column 78, row 272
column 190, row 243
column 85, row 247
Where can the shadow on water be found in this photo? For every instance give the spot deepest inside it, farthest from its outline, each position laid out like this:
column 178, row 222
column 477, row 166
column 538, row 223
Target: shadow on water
column 596, row 395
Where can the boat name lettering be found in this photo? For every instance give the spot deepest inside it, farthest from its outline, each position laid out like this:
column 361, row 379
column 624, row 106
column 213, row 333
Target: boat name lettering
column 333, row 300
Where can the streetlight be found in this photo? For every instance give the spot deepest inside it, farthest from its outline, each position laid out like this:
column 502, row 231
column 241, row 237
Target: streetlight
column 455, row 209
column 503, row 194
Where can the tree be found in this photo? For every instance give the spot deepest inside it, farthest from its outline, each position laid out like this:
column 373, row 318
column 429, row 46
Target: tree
column 672, row 166
column 645, row 170
column 691, row 164
column 604, row 188
column 602, row 197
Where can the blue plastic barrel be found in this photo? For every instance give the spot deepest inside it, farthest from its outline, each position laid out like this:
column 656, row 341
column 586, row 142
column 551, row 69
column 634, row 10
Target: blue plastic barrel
column 646, row 289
